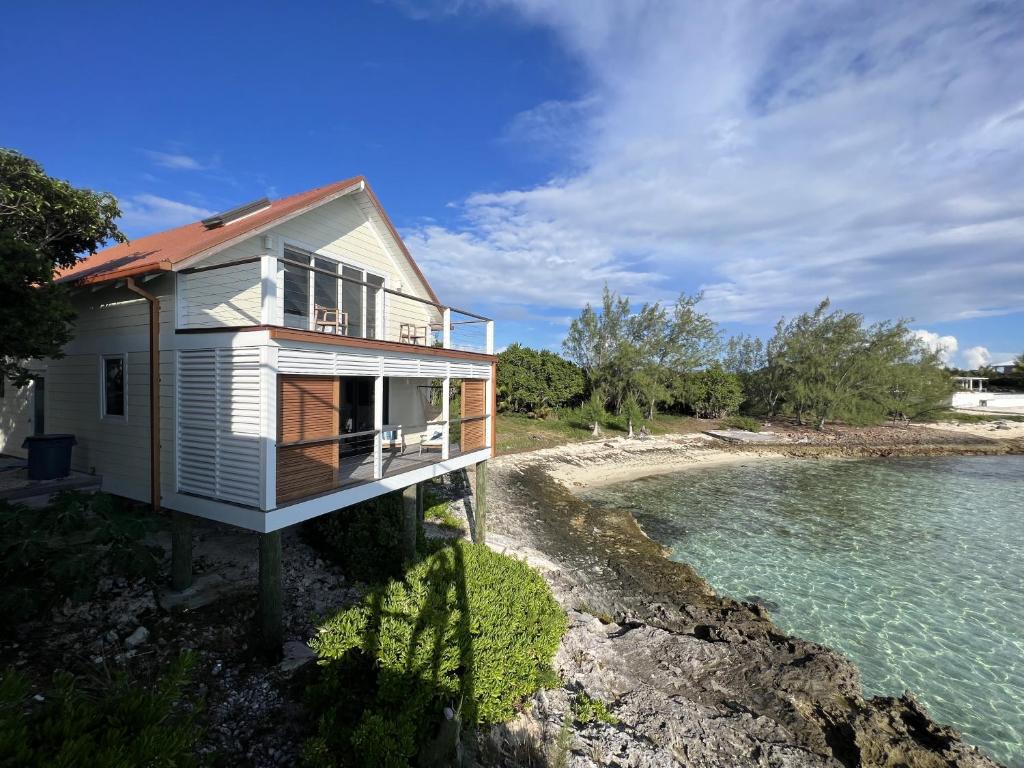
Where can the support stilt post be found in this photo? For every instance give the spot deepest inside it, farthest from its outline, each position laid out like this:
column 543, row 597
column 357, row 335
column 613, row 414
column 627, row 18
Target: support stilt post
column 410, row 521
column 270, row 615
column 181, row 551
column 421, row 496
column 480, row 506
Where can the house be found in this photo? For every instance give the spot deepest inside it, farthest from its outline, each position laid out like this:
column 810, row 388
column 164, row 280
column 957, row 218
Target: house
column 1009, row 366
column 264, row 366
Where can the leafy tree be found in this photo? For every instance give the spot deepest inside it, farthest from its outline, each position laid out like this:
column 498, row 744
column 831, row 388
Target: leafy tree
column 646, row 352
column 531, row 380
column 713, row 392
column 833, row 367
column 1018, row 364
column 44, row 224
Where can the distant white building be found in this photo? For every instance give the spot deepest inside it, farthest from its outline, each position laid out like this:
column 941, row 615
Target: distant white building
column 1007, row 367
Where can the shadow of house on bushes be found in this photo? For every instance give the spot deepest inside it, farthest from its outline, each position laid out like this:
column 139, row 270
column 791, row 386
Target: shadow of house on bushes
column 463, row 638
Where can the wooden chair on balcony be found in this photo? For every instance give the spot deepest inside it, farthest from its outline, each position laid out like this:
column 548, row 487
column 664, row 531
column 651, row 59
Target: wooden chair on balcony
column 330, row 320
column 410, row 333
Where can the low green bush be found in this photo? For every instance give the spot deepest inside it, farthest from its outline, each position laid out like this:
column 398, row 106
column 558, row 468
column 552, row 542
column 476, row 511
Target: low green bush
column 586, row 709
column 121, row 723
column 467, row 628
column 742, row 422
column 62, row 550
column 365, row 539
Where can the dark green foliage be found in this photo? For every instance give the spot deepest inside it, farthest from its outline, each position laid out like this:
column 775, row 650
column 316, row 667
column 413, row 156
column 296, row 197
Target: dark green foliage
column 118, row 723
column 532, row 381
column 1018, row 363
column 466, row 628
column 713, row 392
column 44, row 224
column 742, row 422
column 62, row 550
column 365, row 539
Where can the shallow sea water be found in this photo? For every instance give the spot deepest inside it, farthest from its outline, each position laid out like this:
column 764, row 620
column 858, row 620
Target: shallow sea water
column 913, row 568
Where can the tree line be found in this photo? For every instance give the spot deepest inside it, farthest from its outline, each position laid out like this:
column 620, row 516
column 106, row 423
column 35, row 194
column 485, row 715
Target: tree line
column 821, row 366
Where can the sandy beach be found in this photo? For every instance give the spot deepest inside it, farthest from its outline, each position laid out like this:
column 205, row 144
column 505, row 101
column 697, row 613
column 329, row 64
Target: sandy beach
column 615, row 460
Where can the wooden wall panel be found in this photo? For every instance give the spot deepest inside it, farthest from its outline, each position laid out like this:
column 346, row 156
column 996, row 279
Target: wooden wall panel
column 308, row 409
column 474, row 403
column 306, row 470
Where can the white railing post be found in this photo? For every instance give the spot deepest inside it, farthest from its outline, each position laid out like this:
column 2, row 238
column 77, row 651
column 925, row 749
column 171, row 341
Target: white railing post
column 378, row 424
column 446, row 324
column 446, row 384
column 268, row 278
column 490, row 337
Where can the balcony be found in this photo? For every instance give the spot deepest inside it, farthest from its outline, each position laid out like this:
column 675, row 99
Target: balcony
column 304, row 291
column 336, row 433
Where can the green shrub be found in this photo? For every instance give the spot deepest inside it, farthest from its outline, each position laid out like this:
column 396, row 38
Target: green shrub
column 467, row 628
column 713, row 392
column 742, row 422
column 365, row 539
column 589, row 710
column 121, row 724
column 61, row 551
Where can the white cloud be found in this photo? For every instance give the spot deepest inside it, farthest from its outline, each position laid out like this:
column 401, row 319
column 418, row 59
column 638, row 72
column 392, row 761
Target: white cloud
column 143, row 214
column 771, row 154
column 946, row 346
column 175, row 160
column 976, row 357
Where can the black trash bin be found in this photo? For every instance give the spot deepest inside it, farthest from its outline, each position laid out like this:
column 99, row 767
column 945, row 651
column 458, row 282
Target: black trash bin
column 49, row 456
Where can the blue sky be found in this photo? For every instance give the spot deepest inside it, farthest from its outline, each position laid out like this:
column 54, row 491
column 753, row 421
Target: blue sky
column 532, row 150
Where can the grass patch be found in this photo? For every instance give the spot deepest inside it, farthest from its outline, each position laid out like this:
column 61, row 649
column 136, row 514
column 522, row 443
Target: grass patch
column 439, row 510
column 466, row 628
column 61, row 551
column 746, row 423
column 114, row 723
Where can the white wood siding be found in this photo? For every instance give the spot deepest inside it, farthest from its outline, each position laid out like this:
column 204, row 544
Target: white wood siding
column 219, row 418
column 344, row 230
column 110, row 321
column 231, row 296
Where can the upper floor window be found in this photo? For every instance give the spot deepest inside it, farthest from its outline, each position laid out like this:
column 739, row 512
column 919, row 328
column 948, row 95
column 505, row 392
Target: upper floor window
column 325, row 295
column 113, row 385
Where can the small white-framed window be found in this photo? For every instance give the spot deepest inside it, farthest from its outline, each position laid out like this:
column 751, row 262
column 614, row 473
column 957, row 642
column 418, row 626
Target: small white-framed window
column 113, row 387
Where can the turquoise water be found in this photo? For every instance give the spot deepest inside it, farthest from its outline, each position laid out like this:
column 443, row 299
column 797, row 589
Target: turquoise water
column 914, row 568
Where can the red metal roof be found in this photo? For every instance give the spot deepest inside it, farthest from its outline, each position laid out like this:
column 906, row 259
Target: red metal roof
column 162, row 250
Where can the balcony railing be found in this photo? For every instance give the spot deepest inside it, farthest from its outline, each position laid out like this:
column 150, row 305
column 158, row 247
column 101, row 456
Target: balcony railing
column 312, row 298
column 309, row 468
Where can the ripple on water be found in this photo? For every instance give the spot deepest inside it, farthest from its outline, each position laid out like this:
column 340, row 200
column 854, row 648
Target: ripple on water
column 912, row 567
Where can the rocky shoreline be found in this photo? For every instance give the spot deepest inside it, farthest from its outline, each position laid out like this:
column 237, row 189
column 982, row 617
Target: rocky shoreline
column 691, row 677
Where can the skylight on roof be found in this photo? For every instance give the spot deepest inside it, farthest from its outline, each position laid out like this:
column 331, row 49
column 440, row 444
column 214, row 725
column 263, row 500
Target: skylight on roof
column 220, row 219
